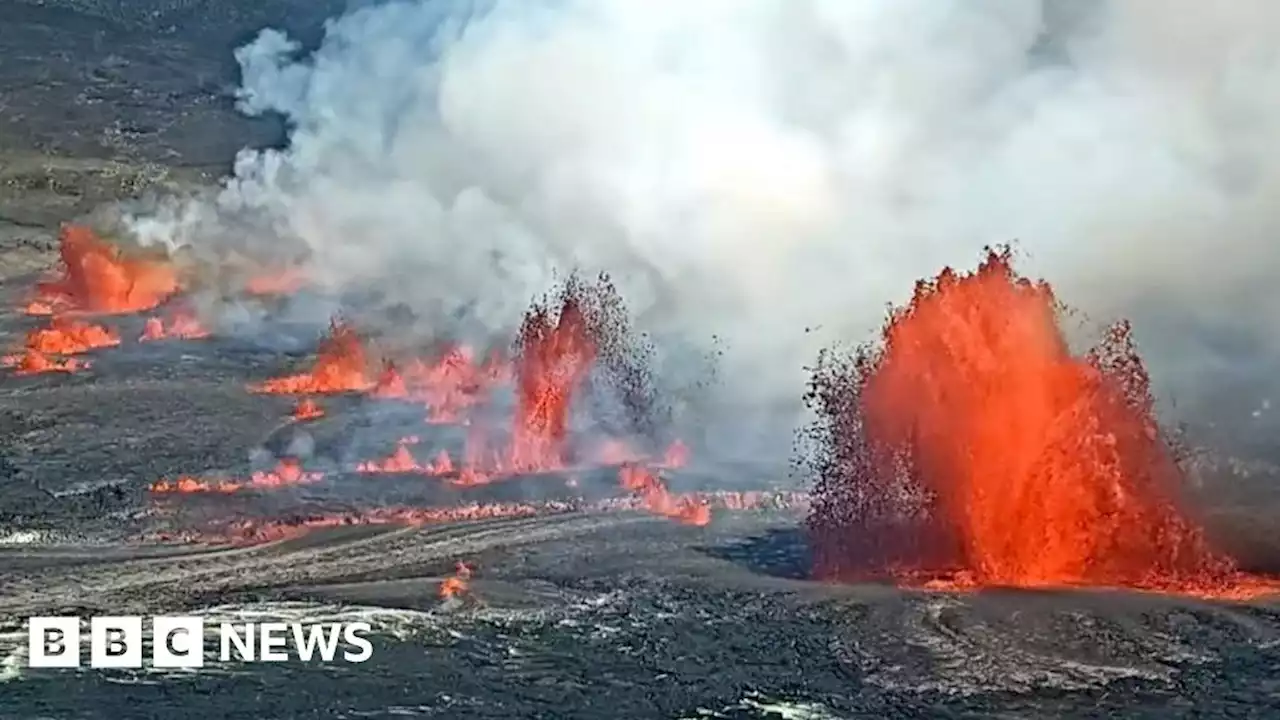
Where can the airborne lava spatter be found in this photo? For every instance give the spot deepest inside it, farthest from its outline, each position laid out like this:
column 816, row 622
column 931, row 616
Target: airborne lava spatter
column 97, row 278
column 973, row 442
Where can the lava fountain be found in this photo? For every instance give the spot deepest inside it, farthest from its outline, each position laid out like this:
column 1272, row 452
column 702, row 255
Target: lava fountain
column 972, row 447
column 97, row 278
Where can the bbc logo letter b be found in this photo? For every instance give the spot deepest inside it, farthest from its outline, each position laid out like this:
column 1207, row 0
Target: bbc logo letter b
column 53, row 642
column 115, row 642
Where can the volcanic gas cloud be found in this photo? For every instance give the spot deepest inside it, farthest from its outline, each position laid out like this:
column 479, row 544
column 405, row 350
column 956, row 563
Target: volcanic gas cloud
column 971, row 446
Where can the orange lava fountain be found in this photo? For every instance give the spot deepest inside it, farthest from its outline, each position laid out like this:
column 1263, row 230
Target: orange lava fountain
column 555, row 352
column 96, row 278
column 973, row 444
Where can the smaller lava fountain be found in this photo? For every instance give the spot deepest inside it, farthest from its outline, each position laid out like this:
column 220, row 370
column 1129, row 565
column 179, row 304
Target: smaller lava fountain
column 971, row 447
column 97, row 278
column 48, row 349
column 342, row 365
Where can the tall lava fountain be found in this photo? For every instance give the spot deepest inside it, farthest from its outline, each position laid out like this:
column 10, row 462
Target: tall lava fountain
column 972, row 444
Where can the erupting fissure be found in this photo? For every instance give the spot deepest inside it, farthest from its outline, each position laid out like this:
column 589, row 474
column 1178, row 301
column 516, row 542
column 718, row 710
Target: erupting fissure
column 554, row 353
column 561, row 342
column 971, row 446
column 288, row 472
column 342, row 365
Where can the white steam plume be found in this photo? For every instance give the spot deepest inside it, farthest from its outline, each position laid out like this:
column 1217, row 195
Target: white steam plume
column 750, row 168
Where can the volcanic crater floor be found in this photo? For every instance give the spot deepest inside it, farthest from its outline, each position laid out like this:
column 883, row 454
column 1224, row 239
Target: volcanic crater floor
column 576, row 611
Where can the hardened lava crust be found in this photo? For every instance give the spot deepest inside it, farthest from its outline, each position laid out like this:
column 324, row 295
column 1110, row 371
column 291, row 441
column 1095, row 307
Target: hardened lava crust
column 580, row 607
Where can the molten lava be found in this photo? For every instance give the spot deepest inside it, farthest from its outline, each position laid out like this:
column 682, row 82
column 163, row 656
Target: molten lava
column 660, row 501
column 63, row 336
column 554, row 354
column 307, row 409
column 247, row 531
column 974, row 444
column 181, row 323
column 286, row 474
column 30, row 362
column 458, row 584
column 342, row 365
column 449, row 387
column 97, row 278
column 403, row 461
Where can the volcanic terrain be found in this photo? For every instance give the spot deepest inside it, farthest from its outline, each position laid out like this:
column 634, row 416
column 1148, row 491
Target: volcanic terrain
column 157, row 458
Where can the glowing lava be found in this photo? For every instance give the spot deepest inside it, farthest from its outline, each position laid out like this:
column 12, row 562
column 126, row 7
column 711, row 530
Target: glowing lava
column 181, row 323
column 458, row 584
column 64, row 336
column 97, row 278
column 30, row 362
column 307, row 409
column 286, row 474
column 342, row 365
column 403, row 461
column 246, row 531
column 973, row 445
column 660, row 501
column 449, row 387
column 554, row 353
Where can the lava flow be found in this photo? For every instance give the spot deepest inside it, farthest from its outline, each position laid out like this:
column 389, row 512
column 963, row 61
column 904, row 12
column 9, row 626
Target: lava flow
column 972, row 445
column 342, row 365
column 286, row 474
column 97, row 278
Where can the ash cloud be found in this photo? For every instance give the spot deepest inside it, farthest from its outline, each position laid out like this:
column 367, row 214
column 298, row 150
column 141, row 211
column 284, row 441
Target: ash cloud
column 754, row 169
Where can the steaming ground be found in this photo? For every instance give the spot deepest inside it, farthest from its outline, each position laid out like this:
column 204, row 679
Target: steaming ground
column 575, row 615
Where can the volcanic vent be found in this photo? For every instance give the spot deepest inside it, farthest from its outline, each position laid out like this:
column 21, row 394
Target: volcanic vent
column 970, row 446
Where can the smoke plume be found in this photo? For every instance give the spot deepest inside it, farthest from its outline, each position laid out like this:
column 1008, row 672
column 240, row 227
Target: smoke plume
column 775, row 171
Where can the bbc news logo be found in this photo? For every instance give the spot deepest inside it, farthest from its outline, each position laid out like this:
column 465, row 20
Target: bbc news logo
column 181, row 642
